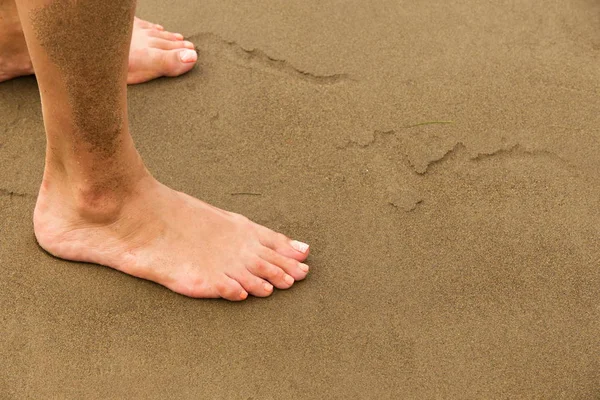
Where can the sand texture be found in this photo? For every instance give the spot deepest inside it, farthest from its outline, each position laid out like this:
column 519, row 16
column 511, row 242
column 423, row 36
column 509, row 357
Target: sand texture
column 441, row 157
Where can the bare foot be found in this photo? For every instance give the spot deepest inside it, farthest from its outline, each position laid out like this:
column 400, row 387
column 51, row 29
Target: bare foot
column 154, row 52
column 170, row 238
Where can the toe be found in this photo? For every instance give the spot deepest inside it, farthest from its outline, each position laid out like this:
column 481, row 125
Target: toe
column 142, row 23
column 290, row 266
column 166, row 35
column 282, row 244
column 271, row 273
column 151, row 63
column 164, row 44
column 177, row 62
column 252, row 284
column 230, row 289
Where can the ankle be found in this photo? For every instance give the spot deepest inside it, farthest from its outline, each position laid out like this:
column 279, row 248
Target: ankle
column 100, row 203
column 97, row 201
column 14, row 64
column 14, row 55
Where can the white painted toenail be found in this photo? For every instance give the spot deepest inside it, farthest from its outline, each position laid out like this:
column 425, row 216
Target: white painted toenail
column 301, row 247
column 304, row 267
column 188, row 55
column 288, row 279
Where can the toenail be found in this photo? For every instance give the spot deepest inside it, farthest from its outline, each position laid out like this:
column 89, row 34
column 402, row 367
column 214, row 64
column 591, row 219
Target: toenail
column 188, row 55
column 268, row 287
column 160, row 27
column 288, row 279
column 301, row 247
column 178, row 36
column 304, row 267
column 243, row 295
column 188, row 44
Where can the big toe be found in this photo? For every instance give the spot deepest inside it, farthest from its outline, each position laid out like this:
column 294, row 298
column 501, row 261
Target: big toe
column 152, row 63
column 142, row 23
column 178, row 61
column 282, row 244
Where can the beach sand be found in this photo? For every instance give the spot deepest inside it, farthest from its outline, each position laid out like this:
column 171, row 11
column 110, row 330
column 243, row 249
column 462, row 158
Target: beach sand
column 440, row 156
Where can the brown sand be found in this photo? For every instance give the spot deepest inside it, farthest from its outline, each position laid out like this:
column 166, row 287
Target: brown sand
column 449, row 260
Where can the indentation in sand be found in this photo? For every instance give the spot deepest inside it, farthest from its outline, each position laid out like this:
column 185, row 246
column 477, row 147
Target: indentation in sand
column 11, row 194
column 379, row 134
column 421, row 164
column 406, row 199
column 420, row 156
column 421, row 167
column 364, row 144
column 246, row 194
column 211, row 43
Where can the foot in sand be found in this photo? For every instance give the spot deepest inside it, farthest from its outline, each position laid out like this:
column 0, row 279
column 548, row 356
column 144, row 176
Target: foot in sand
column 154, row 52
column 168, row 237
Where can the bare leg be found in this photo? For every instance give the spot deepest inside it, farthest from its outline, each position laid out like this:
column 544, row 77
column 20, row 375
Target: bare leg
column 154, row 52
column 98, row 203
